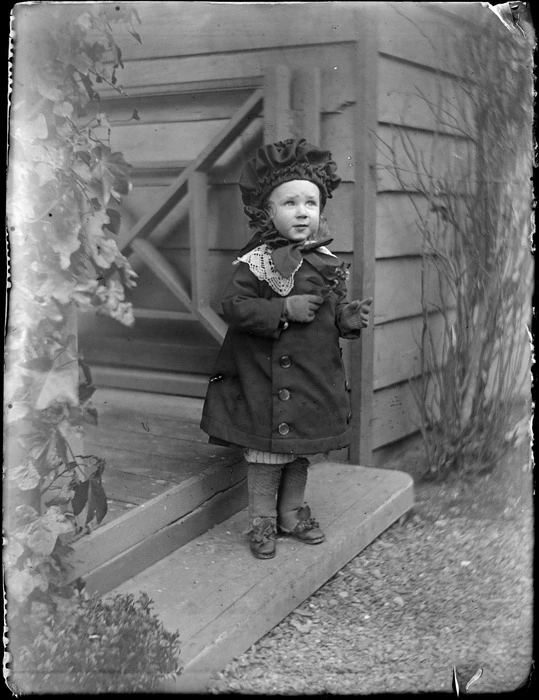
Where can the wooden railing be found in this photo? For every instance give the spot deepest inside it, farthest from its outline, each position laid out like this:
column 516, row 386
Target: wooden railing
column 189, row 192
column 289, row 108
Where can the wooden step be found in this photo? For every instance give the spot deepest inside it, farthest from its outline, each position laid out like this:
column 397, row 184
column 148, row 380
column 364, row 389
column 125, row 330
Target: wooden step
column 150, row 380
column 165, row 484
column 222, row 600
column 155, row 344
column 132, row 542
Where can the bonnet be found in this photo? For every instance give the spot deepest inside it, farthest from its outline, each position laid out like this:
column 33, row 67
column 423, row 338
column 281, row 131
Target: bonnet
column 292, row 159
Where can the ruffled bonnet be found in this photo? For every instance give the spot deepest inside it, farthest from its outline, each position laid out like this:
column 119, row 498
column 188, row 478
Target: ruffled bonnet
column 292, row 159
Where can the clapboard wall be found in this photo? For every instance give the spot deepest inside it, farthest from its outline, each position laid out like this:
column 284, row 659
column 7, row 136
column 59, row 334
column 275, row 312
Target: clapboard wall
column 199, row 62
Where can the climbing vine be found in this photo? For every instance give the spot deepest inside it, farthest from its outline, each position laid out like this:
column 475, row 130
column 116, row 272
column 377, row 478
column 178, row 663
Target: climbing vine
column 65, row 185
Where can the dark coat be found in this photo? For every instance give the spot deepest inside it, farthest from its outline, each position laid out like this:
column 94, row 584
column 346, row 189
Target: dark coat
column 274, row 389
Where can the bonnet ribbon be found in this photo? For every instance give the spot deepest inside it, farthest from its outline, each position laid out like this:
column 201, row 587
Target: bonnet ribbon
column 287, row 258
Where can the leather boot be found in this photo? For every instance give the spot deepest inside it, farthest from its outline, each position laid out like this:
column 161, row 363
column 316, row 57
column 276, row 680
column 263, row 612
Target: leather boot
column 263, row 485
column 306, row 529
column 262, row 537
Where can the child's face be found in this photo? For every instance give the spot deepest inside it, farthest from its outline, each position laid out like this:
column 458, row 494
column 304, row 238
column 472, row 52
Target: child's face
column 295, row 209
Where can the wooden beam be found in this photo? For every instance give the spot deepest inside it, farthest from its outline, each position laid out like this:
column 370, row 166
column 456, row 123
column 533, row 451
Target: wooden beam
column 277, row 113
column 198, row 238
column 157, row 236
column 163, row 269
column 212, row 322
column 176, row 191
column 307, row 104
column 163, row 314
column 362, row 354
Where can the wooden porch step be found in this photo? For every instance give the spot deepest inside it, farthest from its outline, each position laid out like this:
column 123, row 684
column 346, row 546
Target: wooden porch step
column 222, row 600
column 135, row 540
column 152, row 344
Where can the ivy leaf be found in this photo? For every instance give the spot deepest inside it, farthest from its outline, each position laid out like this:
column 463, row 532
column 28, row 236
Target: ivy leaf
column 62, row 447
column 58, row 386
column 111, row 173
column 64, row 496
column 115, row 220
column 39, row 364
column 12, row 552
column 44, row 531
column 97, row 501
column 80, row 497
column 135, row 34
column 25, row 475
column 21, row 583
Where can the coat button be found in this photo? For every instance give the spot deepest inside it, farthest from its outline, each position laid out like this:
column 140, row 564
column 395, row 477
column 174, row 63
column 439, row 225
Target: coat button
column 284, row 428
column 285, row 361
column 349, row 417
column 347, row 385
column 284, row 394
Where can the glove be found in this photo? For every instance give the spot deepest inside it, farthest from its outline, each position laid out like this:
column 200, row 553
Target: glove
column 302, row 307
column 355, row 315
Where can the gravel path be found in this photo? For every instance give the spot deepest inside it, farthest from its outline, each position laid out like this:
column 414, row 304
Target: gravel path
column 448, row 585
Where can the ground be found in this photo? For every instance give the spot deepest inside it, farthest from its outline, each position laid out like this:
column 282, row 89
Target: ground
column 448, row 586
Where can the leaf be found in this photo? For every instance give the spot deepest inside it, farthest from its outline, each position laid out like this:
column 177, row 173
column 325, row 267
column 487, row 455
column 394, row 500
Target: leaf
column 59, row 386
column 44, row 531
column 97, row 501
column 25, row 475
column 115, row 220
column 21, row 583
column 80, row 497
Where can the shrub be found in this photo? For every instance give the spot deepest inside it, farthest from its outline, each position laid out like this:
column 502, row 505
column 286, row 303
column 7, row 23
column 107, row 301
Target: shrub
column 97, row 645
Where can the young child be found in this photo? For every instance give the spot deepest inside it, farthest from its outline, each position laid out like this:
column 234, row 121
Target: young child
column 278, row 388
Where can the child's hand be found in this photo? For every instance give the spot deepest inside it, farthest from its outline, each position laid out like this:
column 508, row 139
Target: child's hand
column 355, row 315
column 302, row 307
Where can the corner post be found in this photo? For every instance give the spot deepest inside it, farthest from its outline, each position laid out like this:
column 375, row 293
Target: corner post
column 366, row 120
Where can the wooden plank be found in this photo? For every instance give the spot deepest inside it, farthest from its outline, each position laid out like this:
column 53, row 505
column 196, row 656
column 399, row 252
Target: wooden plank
column 223, row 600
column 411, row 160
column 184, row 28
column 220, row 270
column 162, row 230
column 180, row 427
column 277, row 114
column 415, row 33
column 134, row 527
column 180, row 107
column 124, row 566
column 397, row 232
column 198, row 238
column 147, row 443
column 203, row 161
column 363, row 271
column 397, row 291
column 174, row 141
column 162, row 314
column 171, row 469
column 415, row 97
column 212, row 322
column 148, row 354
column 141, row 403
column 337, row 135
column 149, row 255
column 133, row 488
column 307, row 103
column 175, row 383
column 396, row 349
column 395, row 415
column 215, row 72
